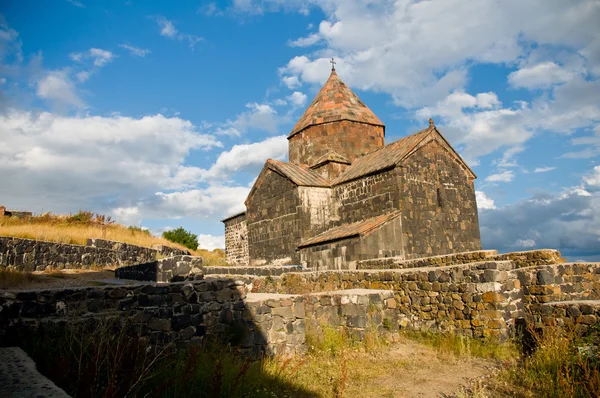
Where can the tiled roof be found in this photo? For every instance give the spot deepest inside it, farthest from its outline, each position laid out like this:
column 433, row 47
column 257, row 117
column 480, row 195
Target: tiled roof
column 335, row 102
column 330, row 156
column 382, row 158
column 299, row 174
column 349, row 230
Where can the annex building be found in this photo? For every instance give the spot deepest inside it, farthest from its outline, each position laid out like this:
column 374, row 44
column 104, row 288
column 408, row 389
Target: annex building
column 345, row 196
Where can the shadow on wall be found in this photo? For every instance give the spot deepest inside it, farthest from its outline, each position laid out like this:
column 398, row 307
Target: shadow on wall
column 178, row 340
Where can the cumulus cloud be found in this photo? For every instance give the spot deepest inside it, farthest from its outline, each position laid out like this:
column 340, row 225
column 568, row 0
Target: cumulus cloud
column 593, row 178
column 258, row 117
column 504, row 176
column 250, row 157
column 543, row 75
column 98, row 56
column 305, row 41
column 137, row 51
column 569, row 221
column 57, row 86
column 89, row 161
column 211, row 242
column 483, row 201
column 291, row 82
column 297, row 99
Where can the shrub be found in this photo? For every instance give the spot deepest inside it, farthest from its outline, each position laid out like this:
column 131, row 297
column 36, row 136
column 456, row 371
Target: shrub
column 183, row 237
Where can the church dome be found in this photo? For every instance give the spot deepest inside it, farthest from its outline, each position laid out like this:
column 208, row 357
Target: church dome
column 335, row 102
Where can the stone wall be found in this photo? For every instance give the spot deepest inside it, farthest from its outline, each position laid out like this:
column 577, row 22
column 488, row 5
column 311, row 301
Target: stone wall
column 4, row 212
column 317, row 212
column 437, row 197
column 347, row 138
column 434, row 261
column 386, row 240
column 256, row 323
column 35, row 255
column 163, row 270
column 367, row 197
column 533, row 257
column 129, row 253
column 273, row 221
column 580, row 315
column 236, row 240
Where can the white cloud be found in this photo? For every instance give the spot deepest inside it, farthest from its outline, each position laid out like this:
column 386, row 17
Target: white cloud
column 504, row 176
column 297, row 99
column 167, row 29
column 543, row 75
column 76, row 3
column 591, row 145
column 211, row 242
column 90, row 161
column 291, row 82
column 305, row 41
column 98, row 56
column 258, row 117
column 593, row 178
column 250, row 157
column 525, row 243
column 139, row 52
column 57, row 86
column 543, row 169
column 483, row 201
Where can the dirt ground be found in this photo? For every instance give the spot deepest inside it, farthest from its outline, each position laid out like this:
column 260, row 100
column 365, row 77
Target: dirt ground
column 410, row 369
column 69, row 278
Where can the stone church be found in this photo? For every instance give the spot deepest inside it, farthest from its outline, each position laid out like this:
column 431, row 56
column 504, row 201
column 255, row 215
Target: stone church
column 344, row 196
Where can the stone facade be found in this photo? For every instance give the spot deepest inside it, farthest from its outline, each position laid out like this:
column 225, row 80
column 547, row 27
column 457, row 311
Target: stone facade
column 236, row 239
column 349, row 139
column 14, row 213
column 340, row 173
column 168, row 269
column 35, row 255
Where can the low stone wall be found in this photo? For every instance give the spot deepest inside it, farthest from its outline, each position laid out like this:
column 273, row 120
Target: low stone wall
column 476, row 299
column 257, row 323
column 176, row 268
column 533, row 257
column 267, row 270
column 435, row 261
column 36, row 255
column 133, row 251
column 580, row 315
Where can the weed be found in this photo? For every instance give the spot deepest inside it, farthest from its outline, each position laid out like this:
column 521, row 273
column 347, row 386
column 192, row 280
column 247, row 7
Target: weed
column 11, row 278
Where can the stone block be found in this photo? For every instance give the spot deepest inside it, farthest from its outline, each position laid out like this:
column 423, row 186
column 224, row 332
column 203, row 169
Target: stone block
column 158, row 324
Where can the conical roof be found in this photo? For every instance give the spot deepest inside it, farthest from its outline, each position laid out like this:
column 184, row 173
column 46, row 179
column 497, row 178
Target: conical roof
column 335, row 102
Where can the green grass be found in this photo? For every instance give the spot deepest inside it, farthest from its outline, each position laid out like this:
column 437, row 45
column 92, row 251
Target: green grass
column 459, row 346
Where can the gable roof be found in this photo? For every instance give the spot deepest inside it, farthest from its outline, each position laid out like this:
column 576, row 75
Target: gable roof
column 350, row 230
column 330, row 156
column 335, row 102
column 392, row 154
column 300, row 175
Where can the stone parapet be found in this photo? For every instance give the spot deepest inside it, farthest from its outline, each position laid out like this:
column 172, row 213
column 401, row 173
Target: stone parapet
column 36, row 255
column 256, row 323
column 170, row 269
column 533, row 257
column 577, row 314
column 440, row 261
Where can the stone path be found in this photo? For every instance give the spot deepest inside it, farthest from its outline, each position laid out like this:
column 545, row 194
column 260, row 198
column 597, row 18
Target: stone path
column 19, row 377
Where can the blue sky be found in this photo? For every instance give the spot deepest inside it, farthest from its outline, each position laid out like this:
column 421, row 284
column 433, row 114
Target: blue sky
column 162, row 114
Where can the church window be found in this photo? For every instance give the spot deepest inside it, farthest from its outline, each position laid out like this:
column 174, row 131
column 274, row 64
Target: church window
column 439, row 197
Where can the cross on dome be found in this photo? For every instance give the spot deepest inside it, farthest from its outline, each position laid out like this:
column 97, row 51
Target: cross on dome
column 332, row 62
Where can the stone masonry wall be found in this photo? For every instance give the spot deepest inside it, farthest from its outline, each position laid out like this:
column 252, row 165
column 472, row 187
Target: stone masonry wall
column 129, row 253
column 236, row 240
column 477, row 299
column 344, row 254
column 35, row 255
column 576, row 314
column 256, row 323
column 349, row 139
column 168, row 269
column 434, row 261
column 273, row 221
column 317, row 212
column 438, row 202
column 367, row 197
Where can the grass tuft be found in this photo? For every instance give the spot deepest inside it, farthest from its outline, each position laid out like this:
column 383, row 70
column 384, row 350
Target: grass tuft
column 11, row 278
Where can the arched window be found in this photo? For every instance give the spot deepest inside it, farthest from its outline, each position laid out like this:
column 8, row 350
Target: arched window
column 439, row 197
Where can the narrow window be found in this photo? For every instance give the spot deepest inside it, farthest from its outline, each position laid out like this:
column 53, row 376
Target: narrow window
column 439, row 197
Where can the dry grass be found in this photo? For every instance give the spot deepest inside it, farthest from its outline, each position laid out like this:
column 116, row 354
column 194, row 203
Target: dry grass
column 77, row 229
column 11, row 279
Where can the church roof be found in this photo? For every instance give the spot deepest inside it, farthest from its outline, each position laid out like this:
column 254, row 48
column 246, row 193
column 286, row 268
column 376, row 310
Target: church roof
column 392, row 154
column 335, row 102
column 331, row 156
column 350, row 230
column 299, row 174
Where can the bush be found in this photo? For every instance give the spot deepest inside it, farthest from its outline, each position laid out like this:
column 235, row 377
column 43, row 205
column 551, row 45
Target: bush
column 183, row 237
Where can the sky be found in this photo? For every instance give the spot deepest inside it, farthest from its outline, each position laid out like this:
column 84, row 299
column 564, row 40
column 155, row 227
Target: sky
column 161, row 114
